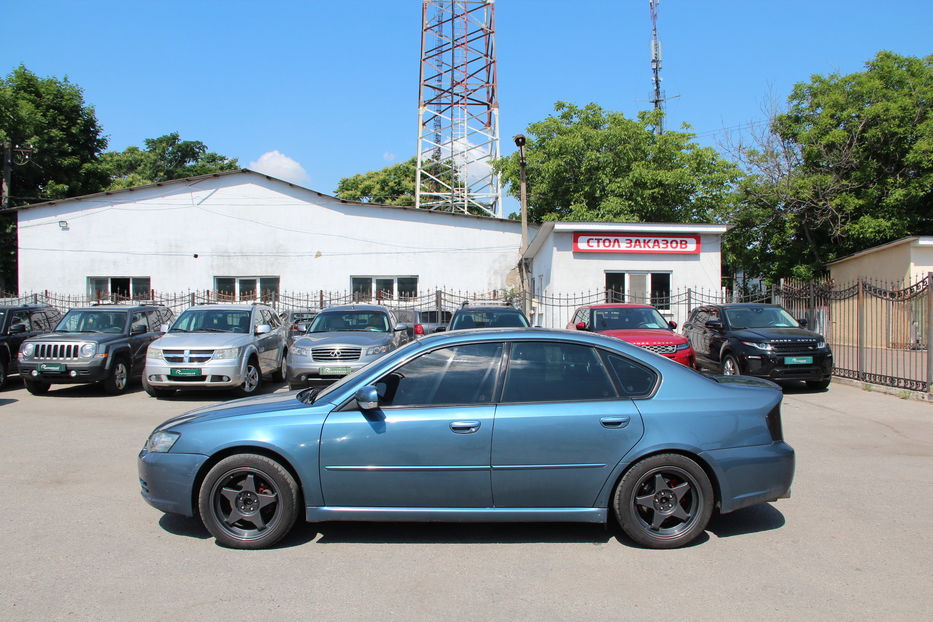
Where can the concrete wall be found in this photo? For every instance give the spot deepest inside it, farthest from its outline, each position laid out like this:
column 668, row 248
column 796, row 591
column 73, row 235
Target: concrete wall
column 248, row 225
column 890, row 264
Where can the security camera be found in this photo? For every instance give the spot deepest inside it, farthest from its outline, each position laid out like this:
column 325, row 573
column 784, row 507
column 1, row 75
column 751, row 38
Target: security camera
column 520, row 140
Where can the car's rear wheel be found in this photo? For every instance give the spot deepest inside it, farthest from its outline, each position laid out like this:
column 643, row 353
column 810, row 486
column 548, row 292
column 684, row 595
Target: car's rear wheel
column 730, row 366
column 3, row 373
column 664, row 501
column 248, row 501
column 118, row 378
column 252, row 380
column 279, row 375
column 35, row 387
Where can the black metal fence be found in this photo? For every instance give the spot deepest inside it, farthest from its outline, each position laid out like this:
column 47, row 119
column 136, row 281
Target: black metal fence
column 880, row 333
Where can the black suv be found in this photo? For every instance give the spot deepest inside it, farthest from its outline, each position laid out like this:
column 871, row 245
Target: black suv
column 468, row 316
column 104, row 343
column 758, row 340
column 18, row 323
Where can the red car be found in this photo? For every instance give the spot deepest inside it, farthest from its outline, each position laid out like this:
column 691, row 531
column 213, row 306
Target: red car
column 641, row 325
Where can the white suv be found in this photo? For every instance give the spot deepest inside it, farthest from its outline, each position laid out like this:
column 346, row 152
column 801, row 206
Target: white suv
column 218, row 346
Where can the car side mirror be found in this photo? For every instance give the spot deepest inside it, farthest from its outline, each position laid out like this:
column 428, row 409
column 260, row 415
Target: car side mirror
column 581, row 325
column 714, row 324
column 262, row 329
column 802, row 321
column 399, row 327
column 367, row 397
column 16, row 329
column 672, row 324
column 138, row 329
column 440, row 329
column 301, row 328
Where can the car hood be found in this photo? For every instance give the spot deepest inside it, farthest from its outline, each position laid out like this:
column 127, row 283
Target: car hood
column 348, row 337
column 95, row 337
column 652, row 336
column 262, row 404
column 762, row 334
column 202, row 340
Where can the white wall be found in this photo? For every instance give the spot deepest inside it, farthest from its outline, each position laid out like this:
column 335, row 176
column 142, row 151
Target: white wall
column 248, row 225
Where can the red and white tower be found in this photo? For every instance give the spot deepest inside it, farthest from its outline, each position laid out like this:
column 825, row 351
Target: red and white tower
column 458, row 109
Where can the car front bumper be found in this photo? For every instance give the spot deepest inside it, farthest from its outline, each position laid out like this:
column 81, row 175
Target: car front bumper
column 778, row 367
column 223, row 374
column 304, row 372
column 65, row 372
column 166, row 480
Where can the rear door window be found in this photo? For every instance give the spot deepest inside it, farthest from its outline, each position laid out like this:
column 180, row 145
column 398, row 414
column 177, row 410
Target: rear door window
column 555, row 372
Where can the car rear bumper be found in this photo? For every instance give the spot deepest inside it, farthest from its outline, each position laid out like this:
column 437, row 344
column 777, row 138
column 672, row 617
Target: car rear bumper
column 750, row 475
column 166, row 480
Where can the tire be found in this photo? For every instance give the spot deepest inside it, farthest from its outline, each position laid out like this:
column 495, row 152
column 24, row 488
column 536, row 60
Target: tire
column 664, row 501
column 730, row 366
column 36, row 388
column 253, row 379
column 118, row 379
column 279, row 374
column 818, row 385
column 3, row 373
column 248, row 501
column 156, row 391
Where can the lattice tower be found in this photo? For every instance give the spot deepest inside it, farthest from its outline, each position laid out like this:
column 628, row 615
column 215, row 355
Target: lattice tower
column 458, row 109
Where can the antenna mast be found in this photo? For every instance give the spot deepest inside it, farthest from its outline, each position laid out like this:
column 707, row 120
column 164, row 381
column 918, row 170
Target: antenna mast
column 658, row 98
column 458, row 109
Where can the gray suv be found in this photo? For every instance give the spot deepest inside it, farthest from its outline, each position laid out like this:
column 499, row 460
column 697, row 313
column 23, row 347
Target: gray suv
column 341, row 340
column 218, row 346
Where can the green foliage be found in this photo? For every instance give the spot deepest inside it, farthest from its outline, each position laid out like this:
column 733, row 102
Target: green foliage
column 848, row 166
column 164, row 158
column 392, row 185
column 49, row 116
column 587, row 164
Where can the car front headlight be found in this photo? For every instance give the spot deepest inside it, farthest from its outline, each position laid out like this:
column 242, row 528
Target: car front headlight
column 161, row 442
column 820, row 345
column 302, row 351
column 767, row 347
column 155, row 353
column 375, row 350
column 226, row 354
column 88, row 350
column 682, row 346
column 27, row 350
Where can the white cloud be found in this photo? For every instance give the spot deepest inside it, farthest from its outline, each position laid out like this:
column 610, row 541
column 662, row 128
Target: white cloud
column 388, row 157
column 277, row 164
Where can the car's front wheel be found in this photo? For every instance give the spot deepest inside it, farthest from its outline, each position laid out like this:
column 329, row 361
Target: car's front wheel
column 279, row 374
column 730, row 366
column 118, row 378
column 157, row 391
column 664, row 501
column 248, row 501
column 36, row 387
column 252, row 380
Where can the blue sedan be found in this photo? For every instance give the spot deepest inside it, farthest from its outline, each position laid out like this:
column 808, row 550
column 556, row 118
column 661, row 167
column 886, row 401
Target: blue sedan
column 492, row 425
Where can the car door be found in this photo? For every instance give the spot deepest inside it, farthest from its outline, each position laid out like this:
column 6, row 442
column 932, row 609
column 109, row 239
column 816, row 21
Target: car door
column 561, row 427
column 26, row 327
column 139, row 341
column 267, row 343
column 428, row 443
column 696, row 333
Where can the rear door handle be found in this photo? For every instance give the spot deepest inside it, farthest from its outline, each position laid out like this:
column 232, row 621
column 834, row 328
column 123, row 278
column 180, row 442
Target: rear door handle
column 464, row 427
column 615, row 422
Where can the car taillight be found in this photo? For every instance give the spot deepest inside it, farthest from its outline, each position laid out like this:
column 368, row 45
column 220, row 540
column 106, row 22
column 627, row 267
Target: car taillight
column 419, row 329
column 294, row 327
column 774, row 424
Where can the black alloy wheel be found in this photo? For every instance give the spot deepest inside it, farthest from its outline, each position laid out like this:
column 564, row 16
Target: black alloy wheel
column 248, row 501
column 664, row 501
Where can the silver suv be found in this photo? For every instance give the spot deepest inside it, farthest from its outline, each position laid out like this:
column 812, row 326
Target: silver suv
column 218, row 346
column 341, row 340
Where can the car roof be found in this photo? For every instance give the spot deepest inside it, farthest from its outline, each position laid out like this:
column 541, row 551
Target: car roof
column 382, row 308
column 747, row 305
column 619, row 305
column 26, row 306
column 529, row 334
column 228, row 306
column 118, row 307
column 489, row 308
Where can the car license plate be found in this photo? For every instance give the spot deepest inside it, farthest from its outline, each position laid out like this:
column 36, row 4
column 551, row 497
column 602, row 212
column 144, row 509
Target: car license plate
column 185, row 372
column 51, row 367
column 335, row 371
column 798, row 360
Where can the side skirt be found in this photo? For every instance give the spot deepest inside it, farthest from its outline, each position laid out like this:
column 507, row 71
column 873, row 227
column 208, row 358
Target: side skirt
column 462, row 515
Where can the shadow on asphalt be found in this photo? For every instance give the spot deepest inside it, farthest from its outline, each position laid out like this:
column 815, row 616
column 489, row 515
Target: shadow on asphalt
column 754, row 519
column 5, row 402
column 178, row 525
column 86, row 390
column 214, row 395
column 799, row 388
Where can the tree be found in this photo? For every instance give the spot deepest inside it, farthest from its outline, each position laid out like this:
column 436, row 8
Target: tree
column 392, row 185
column 48, row 116
column 164, row 158
column 587, row 164
column 848, row 166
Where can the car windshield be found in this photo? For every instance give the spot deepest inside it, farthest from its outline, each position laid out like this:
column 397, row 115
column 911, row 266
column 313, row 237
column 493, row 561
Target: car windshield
column 760, row 317
column 212, row 321
column 621, row 319
column 374, row 321
column 488, row 318
column 92, row 321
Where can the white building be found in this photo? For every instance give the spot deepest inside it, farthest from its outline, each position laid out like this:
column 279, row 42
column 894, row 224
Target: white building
column 244, row 233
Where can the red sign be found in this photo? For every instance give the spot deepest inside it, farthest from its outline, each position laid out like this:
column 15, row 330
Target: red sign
column 635, row 243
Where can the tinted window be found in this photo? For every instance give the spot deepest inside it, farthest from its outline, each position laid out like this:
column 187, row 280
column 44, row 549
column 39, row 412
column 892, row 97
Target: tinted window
column 555, row 372
column 212, row 321
column 350, row 320
column 92, row 321
column 459, row 375
column 634, row 380
column 139, row 320
column 488, row 319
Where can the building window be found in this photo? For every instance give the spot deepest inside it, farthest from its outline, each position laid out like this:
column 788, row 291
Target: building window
column 264, row 288
column 108, row 287
column 652, row 288
column 384, row 287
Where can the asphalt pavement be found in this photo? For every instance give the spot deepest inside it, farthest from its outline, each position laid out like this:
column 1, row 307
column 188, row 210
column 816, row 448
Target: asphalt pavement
column 853, row 542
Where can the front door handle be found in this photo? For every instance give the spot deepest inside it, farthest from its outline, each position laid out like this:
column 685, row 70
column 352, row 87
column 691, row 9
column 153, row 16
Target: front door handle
column 464, row 427
column 615, row 422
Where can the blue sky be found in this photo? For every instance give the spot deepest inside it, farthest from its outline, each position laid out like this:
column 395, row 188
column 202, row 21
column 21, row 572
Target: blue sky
column 333, row 84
